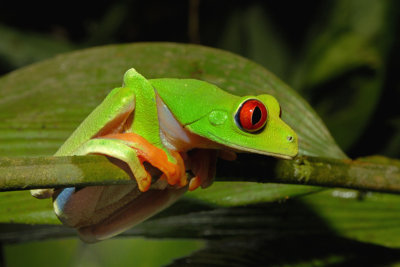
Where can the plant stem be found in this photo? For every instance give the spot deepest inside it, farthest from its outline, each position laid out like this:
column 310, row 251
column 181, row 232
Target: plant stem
column 378, row 174
column 55, row 172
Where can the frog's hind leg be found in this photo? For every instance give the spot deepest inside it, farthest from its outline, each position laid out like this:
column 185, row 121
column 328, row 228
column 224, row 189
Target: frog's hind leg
column 130, row 148
column 111, row 116
column 100, row 212
column 138, row 210
column 75, row 206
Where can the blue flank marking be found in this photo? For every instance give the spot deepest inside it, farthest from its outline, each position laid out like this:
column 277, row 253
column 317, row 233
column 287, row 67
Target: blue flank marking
column 63, row 198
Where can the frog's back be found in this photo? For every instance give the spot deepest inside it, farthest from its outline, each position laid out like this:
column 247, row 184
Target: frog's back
column 190, row 99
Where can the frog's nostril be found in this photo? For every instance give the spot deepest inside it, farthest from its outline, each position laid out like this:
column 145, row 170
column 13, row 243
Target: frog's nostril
column 290, row 138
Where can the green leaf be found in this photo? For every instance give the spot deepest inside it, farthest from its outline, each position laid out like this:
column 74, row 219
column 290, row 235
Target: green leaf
column 19, row 208
column 367, row 217
column 72, row 252
column 41, row 105
column 245, row 193
column 250, row 31
column 342, row 67
column 326, row 250
column 18, row 48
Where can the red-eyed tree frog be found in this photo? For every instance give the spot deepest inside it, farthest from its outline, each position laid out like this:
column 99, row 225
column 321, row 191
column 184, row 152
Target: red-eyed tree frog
column 163, row 127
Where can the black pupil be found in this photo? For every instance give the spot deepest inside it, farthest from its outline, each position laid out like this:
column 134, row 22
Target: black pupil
column 256, row 116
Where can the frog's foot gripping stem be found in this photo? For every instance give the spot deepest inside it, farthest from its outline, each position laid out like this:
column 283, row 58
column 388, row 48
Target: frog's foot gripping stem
column 135, row 150
column 202, row 163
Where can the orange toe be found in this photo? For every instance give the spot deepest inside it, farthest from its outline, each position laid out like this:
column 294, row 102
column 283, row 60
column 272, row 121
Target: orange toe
column 194, row 183
column 202, row 162
column 144, row 183
column 174, row 172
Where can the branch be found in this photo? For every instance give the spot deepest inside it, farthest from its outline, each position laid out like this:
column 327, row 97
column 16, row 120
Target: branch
column 371, row 174
column 55, row 172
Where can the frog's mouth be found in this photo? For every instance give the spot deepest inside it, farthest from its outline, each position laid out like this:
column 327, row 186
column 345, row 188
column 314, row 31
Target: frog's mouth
column 239, row 148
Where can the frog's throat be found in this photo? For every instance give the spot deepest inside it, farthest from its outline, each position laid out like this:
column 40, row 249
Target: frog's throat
column 251, row 150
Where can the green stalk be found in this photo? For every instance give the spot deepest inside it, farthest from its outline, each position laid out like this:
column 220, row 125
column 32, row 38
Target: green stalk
column 54, row 172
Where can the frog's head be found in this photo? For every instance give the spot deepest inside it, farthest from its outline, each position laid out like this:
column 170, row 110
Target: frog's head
column 249, row 124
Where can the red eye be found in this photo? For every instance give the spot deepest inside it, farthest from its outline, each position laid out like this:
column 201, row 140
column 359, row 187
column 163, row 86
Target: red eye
column 280, row 112
column 252, row 115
